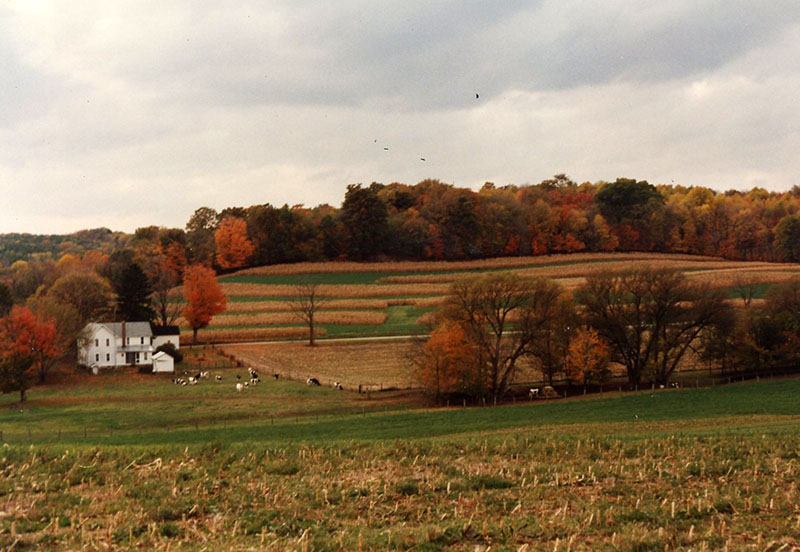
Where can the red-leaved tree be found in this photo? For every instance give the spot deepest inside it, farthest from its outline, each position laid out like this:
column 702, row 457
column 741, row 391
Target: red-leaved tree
column 204, row 297
column 23, row 341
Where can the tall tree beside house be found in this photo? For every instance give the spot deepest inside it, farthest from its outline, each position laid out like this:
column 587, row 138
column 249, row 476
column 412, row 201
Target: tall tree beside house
column 233, row 247
column 164, row 277
column 47, row 343
column 204, row 297
column 133, row 291
column 17, row 352
column 89, row 294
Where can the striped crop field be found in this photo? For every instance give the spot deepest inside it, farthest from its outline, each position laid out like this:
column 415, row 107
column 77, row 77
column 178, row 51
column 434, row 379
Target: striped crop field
column 396, row 298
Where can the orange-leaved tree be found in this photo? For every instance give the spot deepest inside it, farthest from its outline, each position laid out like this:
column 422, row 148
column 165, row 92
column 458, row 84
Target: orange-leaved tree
column 587, row 357
column 23, row 341
column 448, row 360
column 233, row 247
column 204, row 297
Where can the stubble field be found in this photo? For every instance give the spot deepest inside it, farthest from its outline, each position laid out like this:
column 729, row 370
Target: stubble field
column 705, row 469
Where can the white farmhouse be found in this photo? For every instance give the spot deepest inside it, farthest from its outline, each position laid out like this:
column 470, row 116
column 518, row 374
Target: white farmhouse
column 166, row 334
column 113, row 344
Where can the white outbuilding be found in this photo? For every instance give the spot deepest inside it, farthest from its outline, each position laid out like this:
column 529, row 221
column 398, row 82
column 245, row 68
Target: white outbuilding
column 162, row 362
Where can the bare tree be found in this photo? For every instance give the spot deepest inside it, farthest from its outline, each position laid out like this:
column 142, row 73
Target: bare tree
column 305, row 304
column 745, row 287
column 166, row 298
column 503, row 315
column 650, row 317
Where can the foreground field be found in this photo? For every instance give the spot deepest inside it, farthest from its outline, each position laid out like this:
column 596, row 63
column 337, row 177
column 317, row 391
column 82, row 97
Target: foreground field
column 389, row 299
column 678, row 470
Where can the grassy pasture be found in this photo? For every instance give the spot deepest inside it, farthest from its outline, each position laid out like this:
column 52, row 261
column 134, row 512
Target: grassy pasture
column 699, row 469
column 406, row 291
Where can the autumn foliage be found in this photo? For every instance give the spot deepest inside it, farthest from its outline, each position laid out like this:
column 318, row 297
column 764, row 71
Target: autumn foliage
column 204, row 297
column 24, row 341
column 587, row 357
column 233, row 247
column 447, row 363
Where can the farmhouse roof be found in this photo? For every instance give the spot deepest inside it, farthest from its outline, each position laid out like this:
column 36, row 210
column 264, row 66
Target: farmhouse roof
column 132, row 329
column 166, row 330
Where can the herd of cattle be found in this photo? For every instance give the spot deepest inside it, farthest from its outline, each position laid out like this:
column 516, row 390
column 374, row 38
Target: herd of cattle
column 241, row 385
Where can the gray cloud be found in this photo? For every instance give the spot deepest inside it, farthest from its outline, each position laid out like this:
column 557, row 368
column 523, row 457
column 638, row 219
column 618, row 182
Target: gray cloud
column 129, row 114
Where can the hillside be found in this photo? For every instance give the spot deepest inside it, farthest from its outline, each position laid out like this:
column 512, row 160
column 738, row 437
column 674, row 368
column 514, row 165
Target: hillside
column 394, row 298
column 14, row 247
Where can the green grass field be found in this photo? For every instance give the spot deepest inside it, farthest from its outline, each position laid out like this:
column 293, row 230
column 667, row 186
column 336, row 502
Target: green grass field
column 153, row 411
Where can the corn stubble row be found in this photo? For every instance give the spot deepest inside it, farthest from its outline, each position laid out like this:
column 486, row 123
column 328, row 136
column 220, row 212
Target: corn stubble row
column 520, row 492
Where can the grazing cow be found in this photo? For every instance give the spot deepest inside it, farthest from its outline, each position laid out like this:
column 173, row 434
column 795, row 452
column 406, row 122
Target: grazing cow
column 218, row 378
column 254, row 381
column 533, row 393
column 246, row 384
column 312, row 381
column 238, row 377
column 338, row 385
column 192, row 380
column 239, row 387
column 203, row 375
column 276, row 376
column 253, row 373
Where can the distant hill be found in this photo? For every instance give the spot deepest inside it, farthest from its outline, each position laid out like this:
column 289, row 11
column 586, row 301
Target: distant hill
column 14, row 247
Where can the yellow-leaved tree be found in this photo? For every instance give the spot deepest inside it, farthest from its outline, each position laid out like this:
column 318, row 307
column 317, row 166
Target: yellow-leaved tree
column 587, row 357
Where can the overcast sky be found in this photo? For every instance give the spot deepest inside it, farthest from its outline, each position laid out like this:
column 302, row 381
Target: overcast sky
column 126, row 114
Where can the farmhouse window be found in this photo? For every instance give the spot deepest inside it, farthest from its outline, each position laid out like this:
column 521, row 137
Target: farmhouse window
column 137, row 357
column 97, row 357
column 96, row 342
column 108, row 357
column 106, row 342
column 145, row 356
column 142, row 343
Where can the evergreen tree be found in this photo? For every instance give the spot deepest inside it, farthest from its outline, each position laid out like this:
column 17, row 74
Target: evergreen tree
column 133, row 291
